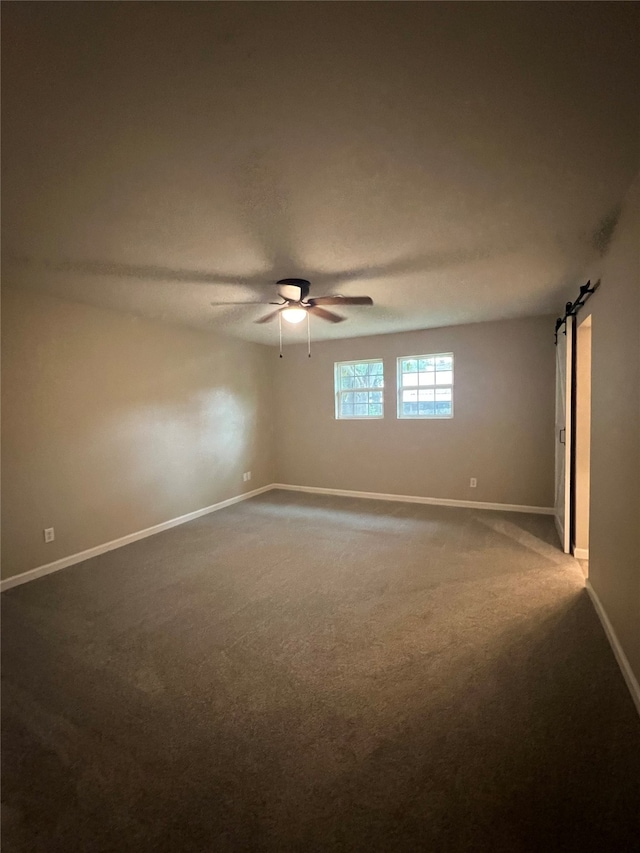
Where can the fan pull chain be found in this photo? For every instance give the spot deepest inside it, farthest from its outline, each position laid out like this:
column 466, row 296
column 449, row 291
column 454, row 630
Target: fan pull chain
column 280, row 330
column 308, row 336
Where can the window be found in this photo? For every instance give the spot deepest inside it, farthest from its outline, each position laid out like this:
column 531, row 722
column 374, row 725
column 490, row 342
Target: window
column 425, row 386
column 359, row 389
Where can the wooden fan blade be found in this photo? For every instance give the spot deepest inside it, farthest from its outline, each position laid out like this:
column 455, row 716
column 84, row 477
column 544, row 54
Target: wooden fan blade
column 255, row 302
column 326, row 315
column 268, row 317
column 341, row 300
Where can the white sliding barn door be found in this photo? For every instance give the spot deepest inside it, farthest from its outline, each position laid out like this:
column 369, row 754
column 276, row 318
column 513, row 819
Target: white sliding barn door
column 564, row 360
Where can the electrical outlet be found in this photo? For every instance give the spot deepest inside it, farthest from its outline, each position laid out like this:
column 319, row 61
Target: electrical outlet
column 248, row 475
column 49, row 534
column 473, row 482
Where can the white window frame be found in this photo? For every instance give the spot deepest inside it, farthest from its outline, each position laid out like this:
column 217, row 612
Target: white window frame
column 402, row 387
column 338, row 391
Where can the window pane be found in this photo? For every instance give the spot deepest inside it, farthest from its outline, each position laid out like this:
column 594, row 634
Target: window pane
column 354, row 382
column 444, row 377
column 444, row 362
column 427, row 379
column 427, row 409
column 425, row 364
column 410, row 378
column 426, row 386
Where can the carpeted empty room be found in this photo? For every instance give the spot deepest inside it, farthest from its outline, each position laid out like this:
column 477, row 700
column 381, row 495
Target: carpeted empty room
column 320, row 449
column 306, row 672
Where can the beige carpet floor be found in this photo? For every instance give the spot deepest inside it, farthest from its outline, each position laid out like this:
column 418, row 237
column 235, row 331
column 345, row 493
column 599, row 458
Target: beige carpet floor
column 311, row 673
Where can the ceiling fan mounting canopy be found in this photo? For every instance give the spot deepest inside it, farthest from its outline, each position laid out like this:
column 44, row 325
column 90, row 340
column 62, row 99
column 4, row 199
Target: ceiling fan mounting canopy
column 294, row 289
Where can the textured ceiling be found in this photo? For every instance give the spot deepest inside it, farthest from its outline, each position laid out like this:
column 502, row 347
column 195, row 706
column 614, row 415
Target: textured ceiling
column 456, row 162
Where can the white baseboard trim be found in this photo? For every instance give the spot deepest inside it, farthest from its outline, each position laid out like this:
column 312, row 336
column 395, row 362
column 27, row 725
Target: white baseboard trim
column 72, row 559
column 623, row 663
column 580, row 553
column 416, row 499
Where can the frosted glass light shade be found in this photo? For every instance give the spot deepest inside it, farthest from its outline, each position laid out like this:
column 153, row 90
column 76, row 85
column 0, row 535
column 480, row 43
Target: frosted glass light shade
column 294, row 315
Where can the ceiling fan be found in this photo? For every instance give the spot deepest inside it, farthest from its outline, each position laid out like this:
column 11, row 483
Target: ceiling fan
column 295, row 304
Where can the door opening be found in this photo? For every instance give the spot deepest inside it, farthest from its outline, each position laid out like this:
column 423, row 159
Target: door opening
column 582, row 459
column 564, row 432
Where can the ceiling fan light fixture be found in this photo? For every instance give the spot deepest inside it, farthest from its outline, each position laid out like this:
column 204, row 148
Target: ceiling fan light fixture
column 294, row 315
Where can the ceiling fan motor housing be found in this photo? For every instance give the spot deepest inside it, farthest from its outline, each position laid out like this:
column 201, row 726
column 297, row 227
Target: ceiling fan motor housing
column 293, row 289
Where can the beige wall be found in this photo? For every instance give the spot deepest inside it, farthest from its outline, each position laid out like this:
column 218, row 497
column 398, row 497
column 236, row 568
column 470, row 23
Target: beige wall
column 501, row 432
column 614, row 532
column 111, row 424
